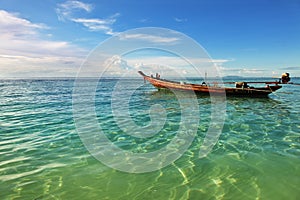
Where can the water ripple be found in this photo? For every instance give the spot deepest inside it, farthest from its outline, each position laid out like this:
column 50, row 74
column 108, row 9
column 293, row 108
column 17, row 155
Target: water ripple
column 42, row 156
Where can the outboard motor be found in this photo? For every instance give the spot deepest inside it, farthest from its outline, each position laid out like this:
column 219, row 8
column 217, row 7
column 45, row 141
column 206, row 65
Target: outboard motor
column 285, row 78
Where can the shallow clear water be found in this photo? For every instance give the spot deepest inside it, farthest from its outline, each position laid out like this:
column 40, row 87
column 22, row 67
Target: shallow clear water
column 42, row 156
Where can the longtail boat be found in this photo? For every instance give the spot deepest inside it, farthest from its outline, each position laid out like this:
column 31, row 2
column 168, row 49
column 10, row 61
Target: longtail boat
column 241, row 89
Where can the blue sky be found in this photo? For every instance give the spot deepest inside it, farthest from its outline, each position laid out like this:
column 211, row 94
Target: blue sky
column 52, row 38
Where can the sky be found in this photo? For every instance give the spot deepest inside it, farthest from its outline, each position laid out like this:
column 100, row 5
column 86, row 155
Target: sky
column 55, row 38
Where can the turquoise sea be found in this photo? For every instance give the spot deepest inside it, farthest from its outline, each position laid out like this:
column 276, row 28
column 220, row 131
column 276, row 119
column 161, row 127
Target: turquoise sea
column 43, row 157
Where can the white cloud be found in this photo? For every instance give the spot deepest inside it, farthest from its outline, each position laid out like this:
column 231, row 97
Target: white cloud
column 104, row 25
column 144, row 20
column 116, row 66
column 11, row 25
column 180, row 19
column 221, row 61
column 38, row 66
column 246, row 71
column 174, row 61
column 149, row 38
column 24, row 52
column 168, row 66
column 69, row 5
column 257, row 71
column 93, row 21
column 67, row 11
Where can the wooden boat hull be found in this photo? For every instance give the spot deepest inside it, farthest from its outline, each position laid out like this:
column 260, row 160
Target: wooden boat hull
column 211, row 90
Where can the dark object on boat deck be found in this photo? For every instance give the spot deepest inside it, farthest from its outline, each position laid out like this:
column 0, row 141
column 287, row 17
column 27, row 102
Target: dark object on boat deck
column 285, row 78
column 241, row 90
column 241, row 85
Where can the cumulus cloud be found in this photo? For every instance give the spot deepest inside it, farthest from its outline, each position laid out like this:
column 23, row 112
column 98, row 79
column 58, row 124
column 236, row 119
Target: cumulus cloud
column 22, row 48
column 168, row 66
column 69, row 9
column 117, row 64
